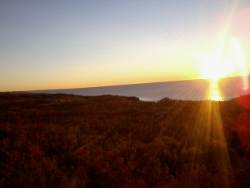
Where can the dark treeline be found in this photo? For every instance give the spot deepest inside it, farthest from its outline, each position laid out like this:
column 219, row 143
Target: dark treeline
column 112, row 141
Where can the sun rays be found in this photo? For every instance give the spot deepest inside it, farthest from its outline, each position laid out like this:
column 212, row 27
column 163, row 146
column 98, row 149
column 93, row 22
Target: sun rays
column 214, row 93
column 226, row 60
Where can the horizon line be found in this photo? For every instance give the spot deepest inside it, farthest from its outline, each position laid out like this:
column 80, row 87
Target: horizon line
column 115, row 85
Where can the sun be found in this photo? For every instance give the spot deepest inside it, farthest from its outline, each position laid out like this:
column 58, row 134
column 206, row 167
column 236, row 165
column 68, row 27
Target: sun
column 213, row 70
column 216, row 66
column 227, row 60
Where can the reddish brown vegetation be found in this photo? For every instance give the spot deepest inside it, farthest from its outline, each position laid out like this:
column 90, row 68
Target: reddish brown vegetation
column 111, row 141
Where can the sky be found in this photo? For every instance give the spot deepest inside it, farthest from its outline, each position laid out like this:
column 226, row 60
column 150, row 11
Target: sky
column 72, row 44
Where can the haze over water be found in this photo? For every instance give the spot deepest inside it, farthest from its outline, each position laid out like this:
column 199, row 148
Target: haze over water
column 183, row 90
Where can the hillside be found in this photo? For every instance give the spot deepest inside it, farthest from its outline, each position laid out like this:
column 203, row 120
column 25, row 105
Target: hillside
column 113, row 141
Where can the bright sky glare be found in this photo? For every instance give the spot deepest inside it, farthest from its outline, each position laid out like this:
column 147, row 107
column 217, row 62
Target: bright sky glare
column 68, row 44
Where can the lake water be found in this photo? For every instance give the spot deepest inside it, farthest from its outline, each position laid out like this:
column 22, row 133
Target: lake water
column 183, row 90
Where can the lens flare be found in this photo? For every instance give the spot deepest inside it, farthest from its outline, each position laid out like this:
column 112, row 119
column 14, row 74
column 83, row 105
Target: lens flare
column 215, row 94
column 213, row 70
column 240, row 61
column 227, row 60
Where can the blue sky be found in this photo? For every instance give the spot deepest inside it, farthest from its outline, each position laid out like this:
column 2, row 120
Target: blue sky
column 62, row 44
